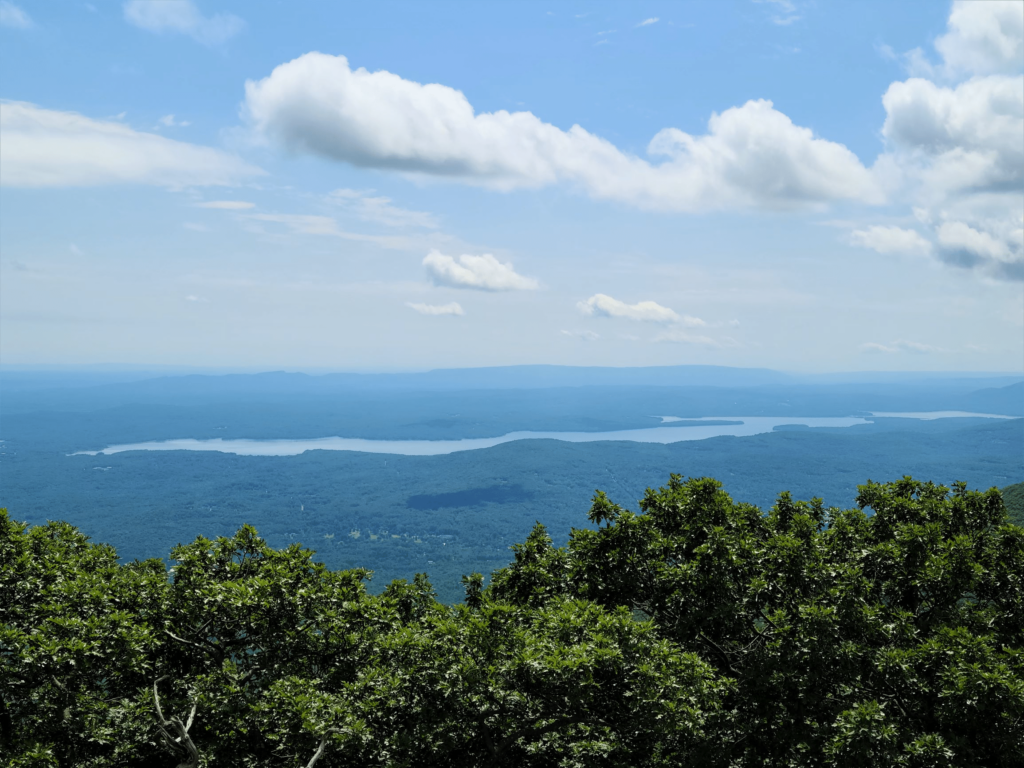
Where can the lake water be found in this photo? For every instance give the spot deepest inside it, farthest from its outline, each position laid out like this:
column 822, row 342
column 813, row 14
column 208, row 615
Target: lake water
column 929, row 415
column 717, row 426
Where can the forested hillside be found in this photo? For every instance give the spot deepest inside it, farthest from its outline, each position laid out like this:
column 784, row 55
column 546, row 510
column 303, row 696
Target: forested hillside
column 699, row 631
column 1013, row 497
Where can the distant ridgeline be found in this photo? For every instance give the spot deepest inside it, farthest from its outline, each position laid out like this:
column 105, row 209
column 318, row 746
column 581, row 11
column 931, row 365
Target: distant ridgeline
column 698, row 631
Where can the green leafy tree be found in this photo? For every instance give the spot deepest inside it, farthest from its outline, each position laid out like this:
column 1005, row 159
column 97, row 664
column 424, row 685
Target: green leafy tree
column 697, row 631
column 246, row 655
column 886, row 639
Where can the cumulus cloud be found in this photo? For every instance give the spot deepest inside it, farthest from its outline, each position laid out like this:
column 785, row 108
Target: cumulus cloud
column 997, row 246
column 380, row 210
column 437, row 309
column 895, row 347
column 601, row 305
column 984, row 37
column 970, row 137
column 891, row 240
column 182, row 17
column 483, row 273
column 955, row 235
column 227, row 205
column 13, row 16
column 957, row 149
column 46, row 148
column 751, row 156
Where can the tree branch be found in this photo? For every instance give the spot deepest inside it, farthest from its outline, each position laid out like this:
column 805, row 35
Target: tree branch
column 318, row 754
column 183, row 743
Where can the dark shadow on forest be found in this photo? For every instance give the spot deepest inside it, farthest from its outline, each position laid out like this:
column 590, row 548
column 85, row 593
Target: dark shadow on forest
column 493, row 494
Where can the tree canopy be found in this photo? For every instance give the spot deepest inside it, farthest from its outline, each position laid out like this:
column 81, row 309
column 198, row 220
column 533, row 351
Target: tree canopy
column 1013, row 497
column 695, row 631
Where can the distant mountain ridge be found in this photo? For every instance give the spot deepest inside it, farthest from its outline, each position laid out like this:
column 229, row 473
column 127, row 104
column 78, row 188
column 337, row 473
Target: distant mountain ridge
column 685, row 391
column 496, row 377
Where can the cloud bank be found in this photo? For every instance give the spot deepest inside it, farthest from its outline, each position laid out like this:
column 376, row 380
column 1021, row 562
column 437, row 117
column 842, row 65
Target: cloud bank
column 751, row 156
column 46, row 148
column 484, row 273
column 957, row 148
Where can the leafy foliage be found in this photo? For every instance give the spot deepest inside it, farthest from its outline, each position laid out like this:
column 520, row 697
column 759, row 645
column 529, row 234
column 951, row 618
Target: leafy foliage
column 1013, row 497
column 698, row 631
column 852, row 639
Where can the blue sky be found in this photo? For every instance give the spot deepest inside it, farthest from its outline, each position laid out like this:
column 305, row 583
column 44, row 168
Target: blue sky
column 388, row 186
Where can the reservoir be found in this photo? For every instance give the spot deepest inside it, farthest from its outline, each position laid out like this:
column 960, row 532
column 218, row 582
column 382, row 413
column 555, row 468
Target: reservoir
column 719, row 426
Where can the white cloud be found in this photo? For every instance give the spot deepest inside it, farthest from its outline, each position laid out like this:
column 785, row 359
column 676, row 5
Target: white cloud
column 752, row 155
column 227, row 205
column 184, row 17
column 380, row 210
column 984, row 37
column 325, row 225
column 967, row 137
column 648, row 22
column 602, row 305
column 483, row 272
column 437, row 309
column 785, row 11
column 46, row 148
column 995, row 246
column 896, row 347
column 582, row 335
column 983, row 232
column 891, row 240
column 196, row 299
column 956, row 150
column 955, row 235
column 13, row 16
column 676, row 336
column 168, row 121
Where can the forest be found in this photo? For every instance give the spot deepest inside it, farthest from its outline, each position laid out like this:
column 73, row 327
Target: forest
column 696, row 631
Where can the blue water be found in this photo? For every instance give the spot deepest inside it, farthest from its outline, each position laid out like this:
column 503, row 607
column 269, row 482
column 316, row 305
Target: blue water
column 738, row 426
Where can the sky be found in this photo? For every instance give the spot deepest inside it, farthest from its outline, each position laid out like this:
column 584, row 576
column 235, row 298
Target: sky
column 797, row 185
